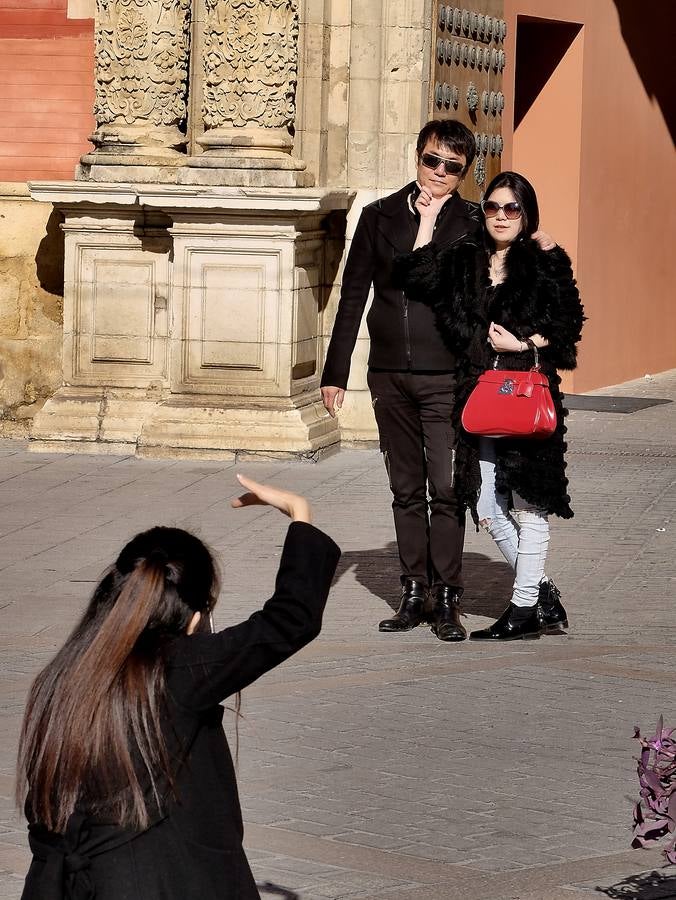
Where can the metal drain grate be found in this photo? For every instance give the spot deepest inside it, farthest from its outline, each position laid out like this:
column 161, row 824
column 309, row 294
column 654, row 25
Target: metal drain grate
column 611, row 404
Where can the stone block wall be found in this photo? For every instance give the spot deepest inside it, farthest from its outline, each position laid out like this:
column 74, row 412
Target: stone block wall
column 362, row 99
column 31, row 307
column 46, row 98
column 362, row 90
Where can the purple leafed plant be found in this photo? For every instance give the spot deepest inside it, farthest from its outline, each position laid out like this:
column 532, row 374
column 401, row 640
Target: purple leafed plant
column 655, row 812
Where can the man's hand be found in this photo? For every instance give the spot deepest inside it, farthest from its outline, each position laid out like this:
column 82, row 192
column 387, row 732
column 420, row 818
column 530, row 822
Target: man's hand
column 428, row 206
column 292, row 505
column 332, row 398
column 544, row 241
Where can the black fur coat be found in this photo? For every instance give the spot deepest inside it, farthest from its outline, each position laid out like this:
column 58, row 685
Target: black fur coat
column 537, row 296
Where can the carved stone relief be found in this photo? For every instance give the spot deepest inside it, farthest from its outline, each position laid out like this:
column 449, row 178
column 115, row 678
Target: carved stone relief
column 142, row 50
column 250, row 64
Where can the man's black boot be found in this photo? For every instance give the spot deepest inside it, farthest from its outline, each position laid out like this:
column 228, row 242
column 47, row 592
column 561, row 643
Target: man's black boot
column 515, row 623
column 553, row 611
column 444, row 616
column 410, row 612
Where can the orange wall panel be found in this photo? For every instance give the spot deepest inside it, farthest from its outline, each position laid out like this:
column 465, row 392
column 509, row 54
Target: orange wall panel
column 547, row 145
column 46, row 89
column 625, row 231
column 40, row 19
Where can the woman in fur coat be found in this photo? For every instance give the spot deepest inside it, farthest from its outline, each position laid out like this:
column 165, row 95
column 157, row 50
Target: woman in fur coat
column 505, row 298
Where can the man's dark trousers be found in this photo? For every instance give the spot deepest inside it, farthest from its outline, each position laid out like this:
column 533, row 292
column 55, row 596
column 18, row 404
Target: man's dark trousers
column 413, row 413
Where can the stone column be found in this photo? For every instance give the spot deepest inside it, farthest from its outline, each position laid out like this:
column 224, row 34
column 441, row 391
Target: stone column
column 142, row 51
column 250, row 69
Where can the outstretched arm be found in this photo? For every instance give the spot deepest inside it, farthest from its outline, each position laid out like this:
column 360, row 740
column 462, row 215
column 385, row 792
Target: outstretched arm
column 204, row 669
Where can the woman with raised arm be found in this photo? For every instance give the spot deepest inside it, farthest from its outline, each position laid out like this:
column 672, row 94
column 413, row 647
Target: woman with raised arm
column 124, row 767
column 504, row 301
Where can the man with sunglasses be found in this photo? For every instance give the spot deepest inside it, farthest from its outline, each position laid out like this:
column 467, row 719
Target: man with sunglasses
column 410, row 377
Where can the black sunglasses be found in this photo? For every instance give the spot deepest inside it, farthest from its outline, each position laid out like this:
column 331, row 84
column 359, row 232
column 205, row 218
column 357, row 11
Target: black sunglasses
column 491, row 208
column 432, row 161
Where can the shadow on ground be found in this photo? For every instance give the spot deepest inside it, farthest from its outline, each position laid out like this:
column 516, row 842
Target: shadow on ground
column 488, row 583
column 646, row 886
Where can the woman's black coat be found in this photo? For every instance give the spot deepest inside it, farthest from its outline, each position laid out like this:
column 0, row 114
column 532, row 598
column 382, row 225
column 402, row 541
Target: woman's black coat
column 194, row 850
column 538, row 296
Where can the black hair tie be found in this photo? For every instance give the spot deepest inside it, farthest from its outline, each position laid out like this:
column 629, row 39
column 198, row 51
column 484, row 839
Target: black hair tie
column 158, row 556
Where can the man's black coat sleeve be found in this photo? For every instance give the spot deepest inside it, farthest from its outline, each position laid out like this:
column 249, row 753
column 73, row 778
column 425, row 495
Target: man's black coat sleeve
column 357, row 279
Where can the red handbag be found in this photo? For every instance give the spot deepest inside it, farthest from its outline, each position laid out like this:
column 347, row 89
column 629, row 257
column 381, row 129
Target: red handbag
column 510, row 404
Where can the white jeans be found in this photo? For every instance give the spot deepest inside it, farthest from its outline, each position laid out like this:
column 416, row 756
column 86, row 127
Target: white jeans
column 521, row 534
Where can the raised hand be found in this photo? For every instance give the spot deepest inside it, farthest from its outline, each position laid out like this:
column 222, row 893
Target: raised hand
column 428, row 206
column 292, row 505
column 544, row 241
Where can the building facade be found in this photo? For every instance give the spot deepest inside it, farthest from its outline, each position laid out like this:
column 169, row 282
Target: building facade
column 170, row 286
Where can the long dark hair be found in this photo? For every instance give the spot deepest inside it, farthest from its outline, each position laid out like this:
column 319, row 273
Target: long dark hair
column 92, row 724
column 525, row 195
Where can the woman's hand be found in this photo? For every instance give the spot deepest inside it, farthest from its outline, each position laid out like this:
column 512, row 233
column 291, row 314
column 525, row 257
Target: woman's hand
column 503, row 341
column 292, row 505
column 543, row 240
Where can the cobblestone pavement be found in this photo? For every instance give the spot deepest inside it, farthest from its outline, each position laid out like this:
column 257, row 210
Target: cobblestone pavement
column 394, row 766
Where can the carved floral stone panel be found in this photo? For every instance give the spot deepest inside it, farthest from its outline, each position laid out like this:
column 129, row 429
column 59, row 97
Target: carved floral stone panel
column 142, row 50
column 250, row 63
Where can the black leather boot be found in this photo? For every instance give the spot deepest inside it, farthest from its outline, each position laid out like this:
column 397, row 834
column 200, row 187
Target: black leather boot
column 515, row 623
column 444, row 615
column 410, row 612
column 553, row 611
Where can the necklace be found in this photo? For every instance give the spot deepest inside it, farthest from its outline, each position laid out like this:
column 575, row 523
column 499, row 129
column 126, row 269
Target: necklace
column 497, row 268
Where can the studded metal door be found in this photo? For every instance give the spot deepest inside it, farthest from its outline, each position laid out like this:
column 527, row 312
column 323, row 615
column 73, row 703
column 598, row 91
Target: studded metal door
column 466, row 83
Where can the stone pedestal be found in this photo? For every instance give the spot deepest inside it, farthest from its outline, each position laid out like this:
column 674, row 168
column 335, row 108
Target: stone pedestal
column 192, row 319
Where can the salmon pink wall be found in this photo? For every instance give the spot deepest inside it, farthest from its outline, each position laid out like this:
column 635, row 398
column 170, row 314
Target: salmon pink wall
column 46, row 89
column 598, row 144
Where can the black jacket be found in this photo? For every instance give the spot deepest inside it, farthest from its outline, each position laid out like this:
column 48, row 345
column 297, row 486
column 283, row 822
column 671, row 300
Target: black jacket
column 403, row 332
column 195, row 851
column 538, row 296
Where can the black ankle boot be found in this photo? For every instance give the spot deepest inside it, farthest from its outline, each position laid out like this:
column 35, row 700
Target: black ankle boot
column 444, row 615
column 553, row 611
column 515, row 623
column 410, row 612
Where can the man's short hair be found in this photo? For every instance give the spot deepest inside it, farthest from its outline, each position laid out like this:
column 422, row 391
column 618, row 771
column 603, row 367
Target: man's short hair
column 452, row 135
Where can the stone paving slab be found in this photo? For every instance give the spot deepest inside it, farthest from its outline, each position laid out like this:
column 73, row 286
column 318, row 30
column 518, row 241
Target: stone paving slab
column 383, row 766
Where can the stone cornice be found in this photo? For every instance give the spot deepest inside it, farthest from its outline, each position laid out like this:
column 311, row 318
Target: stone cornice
column 302, row 200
